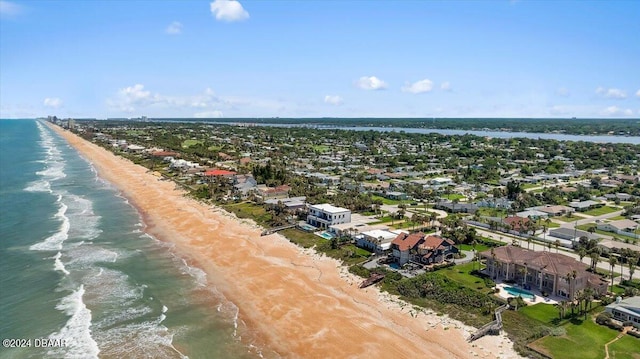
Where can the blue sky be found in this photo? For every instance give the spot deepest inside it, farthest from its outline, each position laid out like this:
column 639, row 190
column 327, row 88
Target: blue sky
column 320, row 58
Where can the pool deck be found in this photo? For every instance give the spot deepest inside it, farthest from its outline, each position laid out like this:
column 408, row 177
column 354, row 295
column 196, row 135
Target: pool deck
column 537, row 297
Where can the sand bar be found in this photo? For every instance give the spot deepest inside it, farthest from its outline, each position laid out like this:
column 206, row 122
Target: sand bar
column 301, row 304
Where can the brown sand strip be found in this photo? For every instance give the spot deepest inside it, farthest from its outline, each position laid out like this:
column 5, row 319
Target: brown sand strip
column 301, row 304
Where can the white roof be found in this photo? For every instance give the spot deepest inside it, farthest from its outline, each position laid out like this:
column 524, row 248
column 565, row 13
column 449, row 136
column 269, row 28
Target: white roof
column 377, row 233
column 325, row 207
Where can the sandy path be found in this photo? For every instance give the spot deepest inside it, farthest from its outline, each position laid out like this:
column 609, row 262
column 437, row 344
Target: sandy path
column 302, row 305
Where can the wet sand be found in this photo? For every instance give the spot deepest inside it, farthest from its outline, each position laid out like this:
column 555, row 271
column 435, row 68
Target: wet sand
column 300, row 304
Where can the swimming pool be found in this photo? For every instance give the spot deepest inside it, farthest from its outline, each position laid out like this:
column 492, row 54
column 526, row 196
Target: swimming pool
column 519, row 292
column 326, row 235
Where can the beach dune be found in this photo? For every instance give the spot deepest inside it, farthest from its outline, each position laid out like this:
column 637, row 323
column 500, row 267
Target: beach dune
column 300, row 304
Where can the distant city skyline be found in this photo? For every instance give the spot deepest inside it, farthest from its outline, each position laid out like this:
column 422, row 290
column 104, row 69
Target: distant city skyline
column 226, row 58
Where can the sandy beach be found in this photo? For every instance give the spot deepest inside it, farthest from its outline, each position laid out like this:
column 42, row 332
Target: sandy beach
column 300, row 304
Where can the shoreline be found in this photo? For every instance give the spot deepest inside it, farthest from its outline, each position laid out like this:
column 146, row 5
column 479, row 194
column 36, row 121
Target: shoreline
column 300, row 303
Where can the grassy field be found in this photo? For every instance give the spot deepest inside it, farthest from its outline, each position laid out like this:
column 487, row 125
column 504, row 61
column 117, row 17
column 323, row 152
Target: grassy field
column 250, row 210
column 453, row 196
column 462, row 274
column 468, row 247
column 585, row 340
column 600, row 211
column 389, row 201
column 189, row 143
column 626, row 347
column 542, row 312
column 492, row 212
column 321, row 148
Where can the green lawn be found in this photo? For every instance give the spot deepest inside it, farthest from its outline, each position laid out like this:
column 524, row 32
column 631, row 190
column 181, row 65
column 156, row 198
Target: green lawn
column 453, row 196
column 250, row 210
column 492, row 212
column 600, row 211
column 301, row 238
column 462, row 274
column 389, row 201
column 617, row 218
column 542, row 312
column 584, row 340
column 321, row 148
column 189, row 143
column 468, row 247
column 626, row 347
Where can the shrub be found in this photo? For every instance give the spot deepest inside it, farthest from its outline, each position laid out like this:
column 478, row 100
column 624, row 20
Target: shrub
column 489, row 283
column 634, row 333
column 628, row 323
column 603, row 318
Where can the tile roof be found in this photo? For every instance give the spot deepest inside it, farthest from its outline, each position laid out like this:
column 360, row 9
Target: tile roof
column 553, row 263
column 406, row 241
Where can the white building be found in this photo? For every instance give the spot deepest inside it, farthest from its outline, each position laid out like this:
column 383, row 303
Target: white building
column 325, row 215
column 626, row 310
column 377, row 240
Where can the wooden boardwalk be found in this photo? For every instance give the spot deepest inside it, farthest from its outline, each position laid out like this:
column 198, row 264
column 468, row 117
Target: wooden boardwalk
column 490, row 328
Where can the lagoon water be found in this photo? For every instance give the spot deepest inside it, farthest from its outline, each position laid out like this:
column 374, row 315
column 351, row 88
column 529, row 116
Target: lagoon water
column 77, row 265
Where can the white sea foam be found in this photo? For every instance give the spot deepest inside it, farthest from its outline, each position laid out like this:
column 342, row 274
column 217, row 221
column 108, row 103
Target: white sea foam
column 54, row 242
column 85, row 223
column 39, row 186
column 77, row 330
column 198, row 274
column 58, row 265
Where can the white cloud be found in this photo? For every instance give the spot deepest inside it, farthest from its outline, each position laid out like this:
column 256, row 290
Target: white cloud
column 333, row 100
column 421, row 86
column 611, row 93
column 616, row 111
column 445, row 86
column 174, row 28
column 135, row 97
column 53, row 102
column 228, row 10
column 9, row 8
column 208, row 114
column 371, row 83
column 638, row 93
column 563, row 91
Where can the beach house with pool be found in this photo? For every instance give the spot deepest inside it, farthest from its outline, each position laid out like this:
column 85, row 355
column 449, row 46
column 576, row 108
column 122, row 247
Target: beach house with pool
column 422, row 248
column 551, row 273
column 325, row 215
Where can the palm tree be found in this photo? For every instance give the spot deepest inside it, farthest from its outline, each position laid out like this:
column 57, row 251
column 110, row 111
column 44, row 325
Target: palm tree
column 557, row 243
column 475, row 254
column 612, row 262
column 493, row 264
column 595, row 258
column 582, row 252
column 632, row 261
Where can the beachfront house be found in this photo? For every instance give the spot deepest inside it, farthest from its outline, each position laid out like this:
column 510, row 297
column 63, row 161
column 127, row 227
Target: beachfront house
column 552, row 273
column 422, row 248
column 625, row 310
column 325, row 215
column 377, row 240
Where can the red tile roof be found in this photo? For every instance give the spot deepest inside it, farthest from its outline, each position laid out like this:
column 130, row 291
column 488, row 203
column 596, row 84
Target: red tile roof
column 434, row 242
column 406, row 241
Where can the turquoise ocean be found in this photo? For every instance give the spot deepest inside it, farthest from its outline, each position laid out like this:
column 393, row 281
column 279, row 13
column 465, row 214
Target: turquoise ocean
column 77, row 265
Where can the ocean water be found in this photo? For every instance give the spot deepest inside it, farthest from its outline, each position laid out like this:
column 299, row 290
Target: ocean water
column 77, row 266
